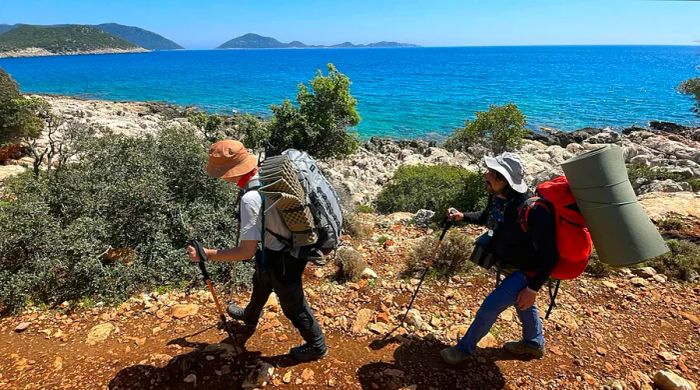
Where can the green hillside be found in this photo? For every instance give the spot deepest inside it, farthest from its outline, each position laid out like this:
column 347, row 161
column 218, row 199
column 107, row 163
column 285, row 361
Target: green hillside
column 6, row 27
column 61, row 39
column 140, row 37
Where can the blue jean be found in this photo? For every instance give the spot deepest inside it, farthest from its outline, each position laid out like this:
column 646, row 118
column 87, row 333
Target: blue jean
column 499, row 300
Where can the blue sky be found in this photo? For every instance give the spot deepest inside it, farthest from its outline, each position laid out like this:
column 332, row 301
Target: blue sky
column 205, row 24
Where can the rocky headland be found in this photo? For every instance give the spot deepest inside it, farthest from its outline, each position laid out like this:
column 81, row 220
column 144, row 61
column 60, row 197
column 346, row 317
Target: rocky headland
column 39, row 52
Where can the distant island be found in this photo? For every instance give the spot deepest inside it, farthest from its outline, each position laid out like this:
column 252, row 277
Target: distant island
column 23, row 40
column 255, row 41
column 140, row 37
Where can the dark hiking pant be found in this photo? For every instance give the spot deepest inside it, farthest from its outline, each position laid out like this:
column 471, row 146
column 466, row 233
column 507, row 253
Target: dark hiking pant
column 283, row 274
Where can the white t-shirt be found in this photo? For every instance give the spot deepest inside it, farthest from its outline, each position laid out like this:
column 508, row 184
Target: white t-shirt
column 251, row 222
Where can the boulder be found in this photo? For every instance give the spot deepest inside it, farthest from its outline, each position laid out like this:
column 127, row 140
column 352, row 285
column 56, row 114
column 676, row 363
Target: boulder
column 645, row 272
column 667, row 185
column 22, row 327
column 361, row 320
column 184, row 310
column 667, row 380
column 668, row 127
column 100, row 333
column 423, row 217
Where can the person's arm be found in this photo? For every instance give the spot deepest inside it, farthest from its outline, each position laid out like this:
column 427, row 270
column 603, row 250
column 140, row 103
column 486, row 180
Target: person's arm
column 541, row 227
column 474, row 217
column 245, row 251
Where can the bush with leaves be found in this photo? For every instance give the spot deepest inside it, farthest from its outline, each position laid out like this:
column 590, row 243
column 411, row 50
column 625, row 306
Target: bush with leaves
column 682, row 262
column 452, row 257
column 640, row 175
column 432, row 187
column 143, row 196
column 597, row 268
column 319, row 124
column 211, row 125
column 19, row 116
column 692, row 87
column 252, row 131
column 500, row 129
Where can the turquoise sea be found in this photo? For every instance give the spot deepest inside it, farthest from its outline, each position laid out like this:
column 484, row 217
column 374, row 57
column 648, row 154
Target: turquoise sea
column 412, row 92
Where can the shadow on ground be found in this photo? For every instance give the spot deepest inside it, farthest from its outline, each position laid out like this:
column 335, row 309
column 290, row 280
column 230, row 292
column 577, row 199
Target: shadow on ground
column 417, row 362
column 224, row 365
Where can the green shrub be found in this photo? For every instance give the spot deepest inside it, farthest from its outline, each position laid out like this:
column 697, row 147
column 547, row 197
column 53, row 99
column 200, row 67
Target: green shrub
column 320, row 123
column 432, row 187
column 452, row 258
column 500, row 129
column 680, row 262
column 210, row 125
column 365, row 209
column 253, row 131
column 597, row 268
column 671, row 222
column 694, row 184
column 19, row 116
column 8, row 87
column 145, row 196
column 692, row 87
column 640, row 174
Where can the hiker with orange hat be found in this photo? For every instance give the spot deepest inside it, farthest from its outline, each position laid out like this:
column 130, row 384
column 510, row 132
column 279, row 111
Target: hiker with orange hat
column 276, row 270
column 531, row 256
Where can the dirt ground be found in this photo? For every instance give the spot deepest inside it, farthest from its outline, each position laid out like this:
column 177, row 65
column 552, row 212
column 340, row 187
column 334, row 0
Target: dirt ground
column 614, row 332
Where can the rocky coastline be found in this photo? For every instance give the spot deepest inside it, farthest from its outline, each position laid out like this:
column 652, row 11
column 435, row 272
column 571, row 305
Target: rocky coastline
column 40, row 52
column 662, row 146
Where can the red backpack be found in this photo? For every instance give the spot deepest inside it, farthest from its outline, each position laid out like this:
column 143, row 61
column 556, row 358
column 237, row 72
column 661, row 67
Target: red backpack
column 573, row 238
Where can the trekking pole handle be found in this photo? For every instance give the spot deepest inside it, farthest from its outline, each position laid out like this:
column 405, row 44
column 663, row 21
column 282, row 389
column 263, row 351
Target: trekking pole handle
column 202, row 258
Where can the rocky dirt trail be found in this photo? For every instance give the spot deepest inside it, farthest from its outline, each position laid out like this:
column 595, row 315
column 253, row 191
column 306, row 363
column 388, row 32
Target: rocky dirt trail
column 616, row 332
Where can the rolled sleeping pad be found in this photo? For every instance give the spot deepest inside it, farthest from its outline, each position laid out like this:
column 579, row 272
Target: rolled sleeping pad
column 621, row 231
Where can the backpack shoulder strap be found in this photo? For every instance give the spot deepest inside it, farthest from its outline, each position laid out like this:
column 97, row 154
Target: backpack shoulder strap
column 529, row 204
column 281, row 238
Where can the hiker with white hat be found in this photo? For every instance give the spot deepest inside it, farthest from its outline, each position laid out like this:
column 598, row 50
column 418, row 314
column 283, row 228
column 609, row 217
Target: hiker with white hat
column 280, row 272
column 529, row 256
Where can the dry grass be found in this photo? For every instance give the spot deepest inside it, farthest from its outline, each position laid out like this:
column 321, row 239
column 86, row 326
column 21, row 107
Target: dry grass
column 350, row 264
column 452, row 258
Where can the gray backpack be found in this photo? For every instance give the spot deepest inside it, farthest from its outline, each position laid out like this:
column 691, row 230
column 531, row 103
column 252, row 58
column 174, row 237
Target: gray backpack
column 308, row 204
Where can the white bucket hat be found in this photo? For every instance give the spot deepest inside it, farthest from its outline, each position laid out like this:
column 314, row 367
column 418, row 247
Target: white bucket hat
column 511, row 167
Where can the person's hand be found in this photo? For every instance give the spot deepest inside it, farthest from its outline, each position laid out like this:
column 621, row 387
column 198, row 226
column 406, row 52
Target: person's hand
column 526, row 298
column 454, row 215
column 192, row 253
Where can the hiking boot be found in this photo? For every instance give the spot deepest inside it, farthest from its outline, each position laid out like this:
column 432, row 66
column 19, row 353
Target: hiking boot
column 238, row 313
column 522, row 348
column 317, row 257
column 307, row 352
column 454, row 355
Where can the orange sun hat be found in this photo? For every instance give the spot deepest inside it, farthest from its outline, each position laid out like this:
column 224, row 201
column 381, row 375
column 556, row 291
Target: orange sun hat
column 228, row 159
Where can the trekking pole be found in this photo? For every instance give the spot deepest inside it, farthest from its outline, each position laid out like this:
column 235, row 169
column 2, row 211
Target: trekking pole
column 447, row 225
column 202, row 267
